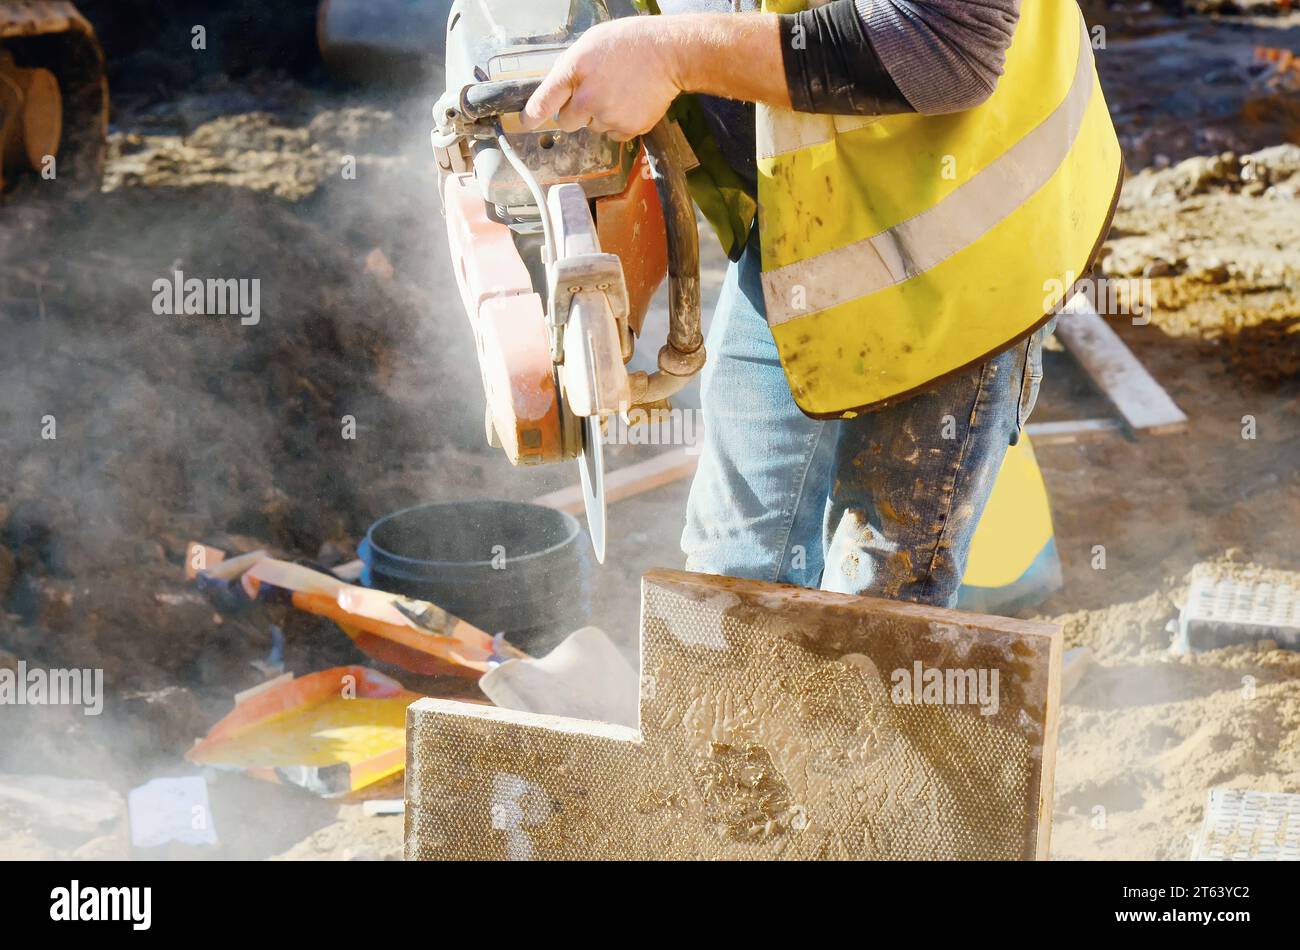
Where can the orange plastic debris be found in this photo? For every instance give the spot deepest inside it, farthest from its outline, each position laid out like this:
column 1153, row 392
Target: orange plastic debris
column 200, row 557
column 413, row 634
column 330, row 732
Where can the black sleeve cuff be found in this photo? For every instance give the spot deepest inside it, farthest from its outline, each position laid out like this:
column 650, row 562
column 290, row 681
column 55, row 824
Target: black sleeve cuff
column 831, row 66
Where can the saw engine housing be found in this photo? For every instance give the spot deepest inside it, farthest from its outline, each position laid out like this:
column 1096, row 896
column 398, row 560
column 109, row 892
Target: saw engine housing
column 559, row 240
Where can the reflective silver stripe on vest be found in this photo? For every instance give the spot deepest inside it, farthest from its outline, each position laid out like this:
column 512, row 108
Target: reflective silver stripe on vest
column 800, row 130
column 936, row 234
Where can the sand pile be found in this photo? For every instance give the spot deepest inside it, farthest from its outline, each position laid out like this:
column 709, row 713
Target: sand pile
column 1212, row 219
column 1146, row 734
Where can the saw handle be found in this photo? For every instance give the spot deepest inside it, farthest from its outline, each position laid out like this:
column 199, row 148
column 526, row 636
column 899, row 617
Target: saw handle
column 498, row 97
column 683, row 357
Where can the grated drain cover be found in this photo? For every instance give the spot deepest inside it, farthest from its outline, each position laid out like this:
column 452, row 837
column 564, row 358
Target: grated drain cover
column 1249, row 826
column 1226, row 606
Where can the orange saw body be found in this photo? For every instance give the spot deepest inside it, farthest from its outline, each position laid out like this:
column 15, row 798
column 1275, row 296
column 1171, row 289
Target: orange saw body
column 559, row 241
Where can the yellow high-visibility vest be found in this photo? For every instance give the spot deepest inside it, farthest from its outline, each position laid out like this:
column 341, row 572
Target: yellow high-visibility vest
column 898, row 250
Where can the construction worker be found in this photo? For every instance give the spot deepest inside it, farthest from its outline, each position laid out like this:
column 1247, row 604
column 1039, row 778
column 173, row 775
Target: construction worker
column 908, row 190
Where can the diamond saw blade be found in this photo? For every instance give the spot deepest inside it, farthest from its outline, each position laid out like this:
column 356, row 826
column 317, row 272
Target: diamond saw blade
column 591, row 468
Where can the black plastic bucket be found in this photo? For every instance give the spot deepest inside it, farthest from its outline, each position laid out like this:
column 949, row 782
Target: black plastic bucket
column 505, row 566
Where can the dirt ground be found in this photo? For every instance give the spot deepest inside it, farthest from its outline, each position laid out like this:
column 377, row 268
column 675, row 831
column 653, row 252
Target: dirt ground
column 171, row 428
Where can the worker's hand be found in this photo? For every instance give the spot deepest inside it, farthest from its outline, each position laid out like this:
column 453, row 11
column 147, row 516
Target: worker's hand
column 619, row 78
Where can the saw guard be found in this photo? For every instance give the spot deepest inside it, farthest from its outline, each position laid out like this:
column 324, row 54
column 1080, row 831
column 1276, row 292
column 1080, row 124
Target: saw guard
column 519, row 379
column 487, row 263
column 588, row 297
column 509, row 331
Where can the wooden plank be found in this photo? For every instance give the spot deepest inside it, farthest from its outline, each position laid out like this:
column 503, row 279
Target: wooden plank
column 1070, row 431
column 776, row 722
column 1140, row 400
column 663, row 469
column 679, row 463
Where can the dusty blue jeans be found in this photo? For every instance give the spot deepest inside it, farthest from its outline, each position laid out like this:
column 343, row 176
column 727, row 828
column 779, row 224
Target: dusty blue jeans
column 883, row 504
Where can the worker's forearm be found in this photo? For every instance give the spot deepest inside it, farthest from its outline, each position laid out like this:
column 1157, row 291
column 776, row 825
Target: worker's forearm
column 736, row 56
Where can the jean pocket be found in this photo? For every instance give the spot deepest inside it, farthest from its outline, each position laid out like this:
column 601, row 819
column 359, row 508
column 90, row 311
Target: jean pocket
column 1032, row 379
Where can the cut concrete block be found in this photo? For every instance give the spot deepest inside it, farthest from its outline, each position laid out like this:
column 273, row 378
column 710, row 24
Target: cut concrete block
column 776, row 722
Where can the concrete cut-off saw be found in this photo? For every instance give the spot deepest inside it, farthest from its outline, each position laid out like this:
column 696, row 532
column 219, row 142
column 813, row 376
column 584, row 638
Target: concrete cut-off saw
column 559, row 240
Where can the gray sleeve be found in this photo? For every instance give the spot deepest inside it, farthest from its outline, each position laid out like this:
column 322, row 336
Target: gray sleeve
column 944, row 55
